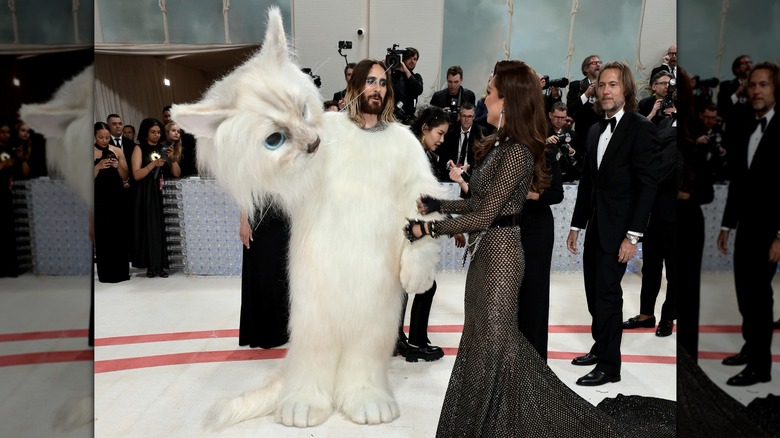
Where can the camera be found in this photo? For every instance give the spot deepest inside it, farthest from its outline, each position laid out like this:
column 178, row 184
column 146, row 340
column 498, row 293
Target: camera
column 668, row 101
column 345, row 45
column 394, row 57
column 454, row 107
column 315, row 78
column 560, row 82
column 701, row 83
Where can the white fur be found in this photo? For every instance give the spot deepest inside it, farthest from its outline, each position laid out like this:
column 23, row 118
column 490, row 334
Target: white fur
column 349, row 262
column 66, row 122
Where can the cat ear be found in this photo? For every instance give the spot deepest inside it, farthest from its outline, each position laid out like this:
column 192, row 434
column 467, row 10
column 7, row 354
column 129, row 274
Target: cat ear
column 275, row 42
column 47, row 120
column 200, row 119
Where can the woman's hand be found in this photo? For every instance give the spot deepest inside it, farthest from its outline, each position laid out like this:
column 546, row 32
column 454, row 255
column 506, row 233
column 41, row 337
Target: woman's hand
column 104, row 163
column 456, row 174
column 532, row 196
column 160, row 162
column 460, row 240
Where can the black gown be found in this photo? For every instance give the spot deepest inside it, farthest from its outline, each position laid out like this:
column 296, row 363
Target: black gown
column 111, row 253
column 265, row 308
column 500, row 386
column 9, row 263
column 149, row 247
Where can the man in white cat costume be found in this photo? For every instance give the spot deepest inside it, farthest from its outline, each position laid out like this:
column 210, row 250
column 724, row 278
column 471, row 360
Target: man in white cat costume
column 349, row 180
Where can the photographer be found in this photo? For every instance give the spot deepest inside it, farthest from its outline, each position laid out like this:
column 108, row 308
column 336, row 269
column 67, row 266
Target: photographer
column 339, row 96
column 733, row 104
column 451, row 98
column 563, row 136
column 709, row 135
column 551, row 90
column 658, row 106
column 407, row 85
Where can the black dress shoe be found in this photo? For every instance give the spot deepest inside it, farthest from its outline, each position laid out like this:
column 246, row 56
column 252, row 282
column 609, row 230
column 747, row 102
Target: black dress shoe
column 635, row 322
column 427, row 353
column 664, row 328
column 747, row 378
column 401, row 347
column 737, row 359
column 596, row 378
column 588, row 359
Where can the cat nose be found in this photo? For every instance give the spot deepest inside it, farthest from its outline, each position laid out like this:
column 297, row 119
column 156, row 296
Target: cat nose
column 312, row 147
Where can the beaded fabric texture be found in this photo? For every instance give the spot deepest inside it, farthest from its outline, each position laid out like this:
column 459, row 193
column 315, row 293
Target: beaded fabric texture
column 500, row 386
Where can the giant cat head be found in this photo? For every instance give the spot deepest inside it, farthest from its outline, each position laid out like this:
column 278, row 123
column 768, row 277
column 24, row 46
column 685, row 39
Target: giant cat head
column 66, row 121
column 259, row 126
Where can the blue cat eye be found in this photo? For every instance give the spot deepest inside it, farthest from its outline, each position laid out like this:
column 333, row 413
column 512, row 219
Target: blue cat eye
column 275, row 141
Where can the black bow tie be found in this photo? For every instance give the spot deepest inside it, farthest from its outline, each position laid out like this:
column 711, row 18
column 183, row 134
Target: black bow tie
column 756, row 122
column 603, row 125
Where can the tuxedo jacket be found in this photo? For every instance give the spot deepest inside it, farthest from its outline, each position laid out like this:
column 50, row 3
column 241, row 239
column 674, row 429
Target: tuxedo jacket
column 619, row 194
column 752, row 201
column 442, row 98
column 729, row 111
column 584, row 115
column 449, row 148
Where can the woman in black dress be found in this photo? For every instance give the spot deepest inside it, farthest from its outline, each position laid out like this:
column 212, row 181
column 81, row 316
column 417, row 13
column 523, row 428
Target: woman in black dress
column 110, row 172
column 499, row 385
column 265, row 296
column 152, row 162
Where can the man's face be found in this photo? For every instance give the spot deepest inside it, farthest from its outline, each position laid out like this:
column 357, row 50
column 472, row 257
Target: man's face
column 466, row 118
column 166, row 117
column 592, row 70
column 610, row 92
column 348, row 75
column 661, row 87
column 557, row 118
column 453, row 83
column 127, row 132
column 709, row 118
column 745, row 63
column 372, row 101
column 411, row 63
column 115, row 124
column 761, row 91
column 672, row 54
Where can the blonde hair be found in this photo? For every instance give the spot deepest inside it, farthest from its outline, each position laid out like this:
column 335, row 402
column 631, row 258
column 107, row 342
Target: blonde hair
column 177, row 147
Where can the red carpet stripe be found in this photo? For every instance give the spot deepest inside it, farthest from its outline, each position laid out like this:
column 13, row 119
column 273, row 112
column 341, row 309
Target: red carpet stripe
column 46, row 357
column 163, row 337
column 35, row 336
column 105, row 366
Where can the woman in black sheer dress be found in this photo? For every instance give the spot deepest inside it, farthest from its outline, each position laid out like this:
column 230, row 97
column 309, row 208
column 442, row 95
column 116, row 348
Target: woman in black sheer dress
column 110, row 172
column 499, row 385
column 152, row 162
column 265, row 295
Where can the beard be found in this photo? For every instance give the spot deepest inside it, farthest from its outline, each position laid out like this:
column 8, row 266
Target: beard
column 370, row 107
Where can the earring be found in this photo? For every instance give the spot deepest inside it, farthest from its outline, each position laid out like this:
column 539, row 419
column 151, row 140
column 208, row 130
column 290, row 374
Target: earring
column 500, row 119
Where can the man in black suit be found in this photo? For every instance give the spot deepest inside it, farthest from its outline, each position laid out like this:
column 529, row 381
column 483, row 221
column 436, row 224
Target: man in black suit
column 339, row 96
column 116, row 127
column 451, row 98
column 614, row 199
column 580, row 101
column 755, row 213
column 669, row 63
column 653, row 106
column 732, row 95
column 564, row 138
column 458, row 144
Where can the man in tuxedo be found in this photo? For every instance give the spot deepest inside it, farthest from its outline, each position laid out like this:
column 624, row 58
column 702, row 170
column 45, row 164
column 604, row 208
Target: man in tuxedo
column 116, row 127
column 755, row 213
column 669, row 63
column 614, row 198
column 339, row 96
column 458, row 144
column 733, row 102
column 455, row 95
column 561, row 135
column 580, row 102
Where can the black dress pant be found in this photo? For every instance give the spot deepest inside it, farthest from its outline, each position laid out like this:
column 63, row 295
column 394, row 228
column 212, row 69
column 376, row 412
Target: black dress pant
column 603, row 273
column 690, row 248
column 659, row 247
column 418, row 319
column 533, row 310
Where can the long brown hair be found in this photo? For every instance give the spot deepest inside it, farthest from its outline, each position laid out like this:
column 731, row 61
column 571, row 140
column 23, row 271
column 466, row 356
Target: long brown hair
column 177, row 147
column 524, row 118
column 355, row 87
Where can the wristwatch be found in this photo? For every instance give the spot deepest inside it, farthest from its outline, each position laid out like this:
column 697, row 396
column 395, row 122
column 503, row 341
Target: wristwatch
column 632, row 239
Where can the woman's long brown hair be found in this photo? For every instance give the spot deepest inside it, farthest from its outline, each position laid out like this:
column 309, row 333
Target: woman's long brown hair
column 524, row 118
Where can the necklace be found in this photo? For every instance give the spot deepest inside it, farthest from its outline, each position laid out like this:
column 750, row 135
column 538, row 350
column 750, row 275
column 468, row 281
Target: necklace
column 376, row 128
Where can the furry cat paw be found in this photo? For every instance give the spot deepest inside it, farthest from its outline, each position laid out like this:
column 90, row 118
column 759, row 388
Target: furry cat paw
column 370, row 407
column 303, row 411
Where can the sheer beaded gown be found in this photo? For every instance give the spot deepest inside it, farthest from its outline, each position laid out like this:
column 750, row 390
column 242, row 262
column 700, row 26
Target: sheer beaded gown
column 499, row 385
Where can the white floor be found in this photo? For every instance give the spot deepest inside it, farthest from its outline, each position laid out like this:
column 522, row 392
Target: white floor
column 166, row 351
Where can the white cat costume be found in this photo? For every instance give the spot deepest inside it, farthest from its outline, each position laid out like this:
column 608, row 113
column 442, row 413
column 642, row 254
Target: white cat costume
column 261, row 131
